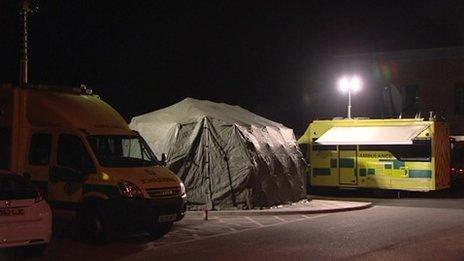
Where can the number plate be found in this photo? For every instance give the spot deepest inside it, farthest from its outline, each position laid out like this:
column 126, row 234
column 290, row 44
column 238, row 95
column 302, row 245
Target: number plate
column 167, row 218
column 7, row 212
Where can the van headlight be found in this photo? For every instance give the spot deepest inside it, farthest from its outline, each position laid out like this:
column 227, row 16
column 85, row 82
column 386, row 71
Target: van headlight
column 129, row 189
column 183, row 192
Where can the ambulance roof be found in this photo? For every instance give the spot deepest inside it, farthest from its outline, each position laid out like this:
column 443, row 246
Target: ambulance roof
column 78, row 111
column 371, row 135
column 366, row 131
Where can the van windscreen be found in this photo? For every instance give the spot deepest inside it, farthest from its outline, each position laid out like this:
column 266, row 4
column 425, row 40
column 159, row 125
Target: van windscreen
column 122, row 151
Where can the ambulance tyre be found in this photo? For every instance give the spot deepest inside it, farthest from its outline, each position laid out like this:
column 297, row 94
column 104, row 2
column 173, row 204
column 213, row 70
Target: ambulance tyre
column 93, row 224
column 159, row 230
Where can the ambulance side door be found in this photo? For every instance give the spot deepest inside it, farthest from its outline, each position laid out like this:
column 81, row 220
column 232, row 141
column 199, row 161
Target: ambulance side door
column 73, row 162
column 348, row 164
column 38, row 159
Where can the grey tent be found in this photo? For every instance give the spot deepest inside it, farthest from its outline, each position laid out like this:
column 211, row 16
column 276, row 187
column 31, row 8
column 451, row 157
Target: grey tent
column 226, row 156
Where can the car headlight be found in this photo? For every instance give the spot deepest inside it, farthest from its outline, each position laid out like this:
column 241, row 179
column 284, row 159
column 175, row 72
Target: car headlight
column 183, row 192
column 129, row 189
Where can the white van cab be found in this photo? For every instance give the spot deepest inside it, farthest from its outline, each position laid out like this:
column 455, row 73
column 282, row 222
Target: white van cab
column 82, row 154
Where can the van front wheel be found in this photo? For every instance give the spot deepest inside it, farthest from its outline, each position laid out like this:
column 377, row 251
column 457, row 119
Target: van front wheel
column 159, row 230
column 93, row 225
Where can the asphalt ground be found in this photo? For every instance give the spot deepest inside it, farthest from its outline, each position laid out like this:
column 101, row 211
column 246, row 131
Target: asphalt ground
column 195, row 226
column 414, row 226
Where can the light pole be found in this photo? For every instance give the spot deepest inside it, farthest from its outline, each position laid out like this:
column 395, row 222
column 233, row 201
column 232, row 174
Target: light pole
column 349, row 84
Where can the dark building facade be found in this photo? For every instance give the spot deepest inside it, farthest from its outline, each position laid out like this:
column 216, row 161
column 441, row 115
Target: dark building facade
column 410, row 83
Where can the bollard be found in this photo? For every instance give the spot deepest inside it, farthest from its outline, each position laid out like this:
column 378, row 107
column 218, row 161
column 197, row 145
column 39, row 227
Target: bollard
column 205, row 213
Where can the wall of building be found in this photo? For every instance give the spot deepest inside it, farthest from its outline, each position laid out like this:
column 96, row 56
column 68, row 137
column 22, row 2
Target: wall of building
column 436, row 73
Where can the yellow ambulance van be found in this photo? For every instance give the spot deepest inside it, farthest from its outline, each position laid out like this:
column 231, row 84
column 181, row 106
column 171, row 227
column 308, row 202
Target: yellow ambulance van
column 398, row 154
column 81, row 153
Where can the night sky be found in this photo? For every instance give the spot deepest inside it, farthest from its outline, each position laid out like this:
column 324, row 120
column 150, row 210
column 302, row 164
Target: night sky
column 262, row 55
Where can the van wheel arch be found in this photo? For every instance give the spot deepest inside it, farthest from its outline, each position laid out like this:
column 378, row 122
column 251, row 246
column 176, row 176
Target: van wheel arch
column 92, row 220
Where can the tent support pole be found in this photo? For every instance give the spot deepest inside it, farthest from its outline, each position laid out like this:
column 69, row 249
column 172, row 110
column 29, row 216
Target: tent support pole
column 209, row 195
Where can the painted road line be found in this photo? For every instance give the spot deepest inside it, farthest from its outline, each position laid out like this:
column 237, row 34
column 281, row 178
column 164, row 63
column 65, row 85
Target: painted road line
column 232, row 232
column 279, row 218
column 254, row 221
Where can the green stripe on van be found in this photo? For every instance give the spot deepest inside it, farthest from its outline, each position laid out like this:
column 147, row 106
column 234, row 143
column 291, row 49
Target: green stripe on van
column 346, row 163
column 370, row 171
column 321, row 172
column 397, row 164
column 333, row 163
column 416, row 173
column 362, row 172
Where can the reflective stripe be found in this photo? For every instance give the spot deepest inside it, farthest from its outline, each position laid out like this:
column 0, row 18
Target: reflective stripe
column 321, row 172
column 362, row 172
column 346, row 163
column 416, row 173
column 333, row 163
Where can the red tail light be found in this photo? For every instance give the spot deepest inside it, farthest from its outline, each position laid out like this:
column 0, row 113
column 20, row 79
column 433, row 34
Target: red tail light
column 38, row 197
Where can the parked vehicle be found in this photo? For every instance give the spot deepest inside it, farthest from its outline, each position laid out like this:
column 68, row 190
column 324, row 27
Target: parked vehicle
column 457, row 161
column 81, row 153
column 25, row 217
column 398, row 154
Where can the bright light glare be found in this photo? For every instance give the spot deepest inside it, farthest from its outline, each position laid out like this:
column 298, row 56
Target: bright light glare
column 353, row 83
column 344, row 84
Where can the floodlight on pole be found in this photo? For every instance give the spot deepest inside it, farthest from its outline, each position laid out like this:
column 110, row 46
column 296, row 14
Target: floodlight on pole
column 349, row 84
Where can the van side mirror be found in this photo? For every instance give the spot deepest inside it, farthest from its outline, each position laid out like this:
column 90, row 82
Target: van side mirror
column 163, row 159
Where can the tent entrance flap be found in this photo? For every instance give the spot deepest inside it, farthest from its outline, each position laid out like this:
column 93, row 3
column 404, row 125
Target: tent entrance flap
column 371, row 135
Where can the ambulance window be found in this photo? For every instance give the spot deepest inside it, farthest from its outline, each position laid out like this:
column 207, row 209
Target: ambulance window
column 73, row 154
column 40, row 148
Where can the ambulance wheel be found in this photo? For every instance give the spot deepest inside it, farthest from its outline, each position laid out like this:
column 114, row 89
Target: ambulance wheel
column 159, row 230
column 93, row 225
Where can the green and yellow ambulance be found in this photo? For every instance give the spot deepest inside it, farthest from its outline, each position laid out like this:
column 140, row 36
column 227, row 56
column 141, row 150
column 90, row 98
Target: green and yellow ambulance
column 398, row 154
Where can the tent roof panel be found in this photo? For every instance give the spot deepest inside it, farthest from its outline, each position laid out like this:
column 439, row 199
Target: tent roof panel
column 192, row 110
